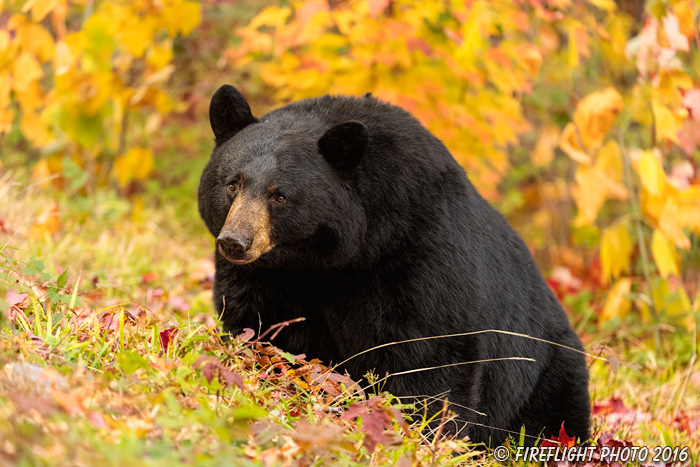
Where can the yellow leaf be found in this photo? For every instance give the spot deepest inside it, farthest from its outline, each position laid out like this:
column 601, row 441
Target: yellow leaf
column 609, row 162
column 589, row 194
column 669, row 297
column 36, row 40
column 532, row 59
column 63, row 59
column 5, row 89
column 607, row 5
column 617, row 304
column 665, row 255
column 160, row 56
column 136, row 164
column 182, row 17
column 615, row 250
column 573, row 50
column 664, row 122
column 651, row 173
column 688, row 208
column 594, row 116
column 30, row 99
column 569, row 143
column 136, row 39
column 546, row 144
column 7, row 116
column 25, row 69
column 271, row 16
column 40, row 8
column 671, row 222
column 34, row 129
column 684, row 12
column 4, row 39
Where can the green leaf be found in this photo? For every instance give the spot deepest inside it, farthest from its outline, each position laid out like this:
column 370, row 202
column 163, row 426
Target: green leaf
column 62, row 279
column 289, row 357
column 130, row 361
column 37, row 264
column 28, row 270
column 248, row 412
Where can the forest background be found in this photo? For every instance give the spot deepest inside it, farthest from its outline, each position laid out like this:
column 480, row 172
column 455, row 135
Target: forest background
column 579, row 120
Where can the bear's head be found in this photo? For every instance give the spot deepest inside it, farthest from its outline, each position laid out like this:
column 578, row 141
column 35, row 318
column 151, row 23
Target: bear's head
column 277, row 191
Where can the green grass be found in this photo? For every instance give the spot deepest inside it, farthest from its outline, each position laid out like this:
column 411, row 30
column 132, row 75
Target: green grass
column 86, row 377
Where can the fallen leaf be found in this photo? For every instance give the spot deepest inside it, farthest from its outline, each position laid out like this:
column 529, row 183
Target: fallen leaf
column 14, row 298
column 167, row 336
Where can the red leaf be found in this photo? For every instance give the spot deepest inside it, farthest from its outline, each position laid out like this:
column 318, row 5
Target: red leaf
column 231, row 378
column 246, row 335
column 96, row 420
column 562, row 440
column 689, row 136
column 167, row 336
column 203, row 359
column 374, row 423
column 148, row 277
column 614, row 405
column 14, row 298
column 209, row 370
column 354, row 411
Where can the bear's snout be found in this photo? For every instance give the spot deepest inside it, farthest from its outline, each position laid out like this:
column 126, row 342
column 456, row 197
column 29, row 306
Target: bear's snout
column 233, row 245
column 246, row 233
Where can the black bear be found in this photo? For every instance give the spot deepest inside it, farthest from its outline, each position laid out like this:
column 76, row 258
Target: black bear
column 348, row 212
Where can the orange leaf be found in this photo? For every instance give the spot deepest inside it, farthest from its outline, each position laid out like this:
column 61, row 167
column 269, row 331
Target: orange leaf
column 595, row 115
column 569, row 143
column 48, row 221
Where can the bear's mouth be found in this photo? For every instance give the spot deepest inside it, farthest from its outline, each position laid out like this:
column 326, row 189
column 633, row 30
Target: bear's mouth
column 236, row 261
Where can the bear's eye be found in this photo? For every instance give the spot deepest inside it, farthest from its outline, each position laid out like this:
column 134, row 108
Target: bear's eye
column 279, row 199
column 232, row 187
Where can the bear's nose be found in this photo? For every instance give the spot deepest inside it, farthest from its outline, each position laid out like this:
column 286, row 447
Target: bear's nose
column 232, row 244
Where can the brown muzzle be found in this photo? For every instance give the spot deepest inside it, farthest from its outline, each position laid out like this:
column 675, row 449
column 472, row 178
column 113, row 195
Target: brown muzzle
column 246, row 232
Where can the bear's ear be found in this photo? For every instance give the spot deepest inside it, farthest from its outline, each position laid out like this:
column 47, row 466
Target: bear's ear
column 229, row 113
column 344, row 145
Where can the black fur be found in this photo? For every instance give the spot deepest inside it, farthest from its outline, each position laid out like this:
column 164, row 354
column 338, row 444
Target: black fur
column 397, row 245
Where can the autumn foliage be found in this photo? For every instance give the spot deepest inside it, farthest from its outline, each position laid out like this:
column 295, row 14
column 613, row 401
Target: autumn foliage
column 477, row 74
column 578, row 119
